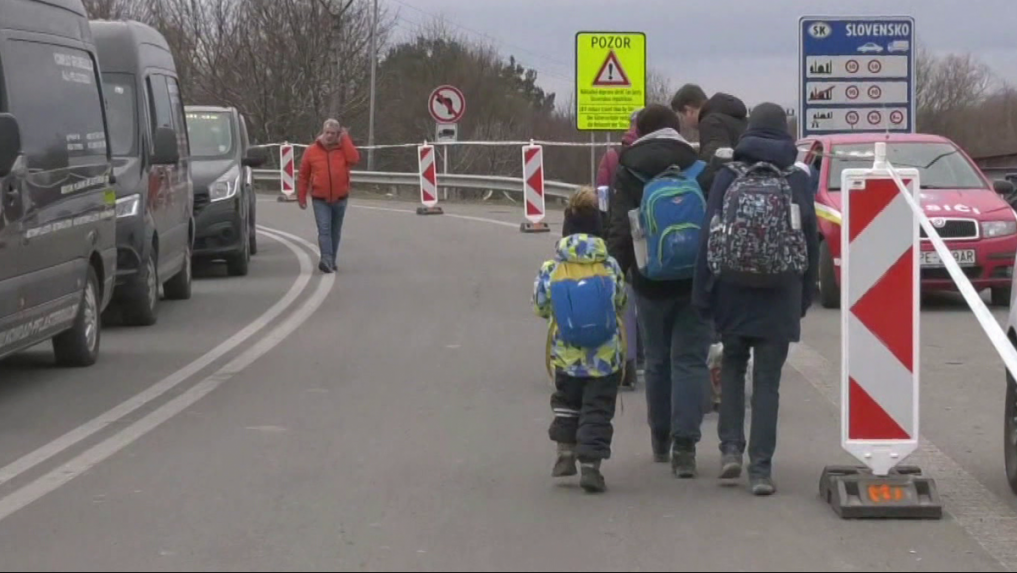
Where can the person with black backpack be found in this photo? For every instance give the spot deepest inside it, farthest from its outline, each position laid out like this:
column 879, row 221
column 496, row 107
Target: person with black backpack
column 656, row 214
column 755, row 277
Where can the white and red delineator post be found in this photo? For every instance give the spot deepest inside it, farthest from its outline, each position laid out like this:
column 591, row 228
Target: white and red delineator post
column 287, row 172
column 428, row 181
column 534, row 205
column 880, row 348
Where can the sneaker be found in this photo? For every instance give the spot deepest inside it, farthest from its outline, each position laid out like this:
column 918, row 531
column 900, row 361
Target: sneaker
column 566, row 464
column 731, row 466
column 592, row 480
column 763, row 487
column 325, row 268
column 683, row 461
column 661, row 449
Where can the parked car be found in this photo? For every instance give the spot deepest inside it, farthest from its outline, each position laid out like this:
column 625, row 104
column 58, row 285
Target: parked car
column 968, row 210
column 57, row 209
column 225, row 205
column 155, row 227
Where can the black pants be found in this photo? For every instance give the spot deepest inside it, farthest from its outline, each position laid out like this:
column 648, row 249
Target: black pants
column 769, row 363
column 583, row 414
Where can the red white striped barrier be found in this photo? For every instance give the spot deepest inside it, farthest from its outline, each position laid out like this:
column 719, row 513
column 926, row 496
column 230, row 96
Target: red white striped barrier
column 428, row 181
column 534, row 205
column 287, row 172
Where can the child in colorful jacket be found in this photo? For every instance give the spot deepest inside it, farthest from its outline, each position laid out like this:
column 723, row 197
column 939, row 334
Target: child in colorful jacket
column 586, row 378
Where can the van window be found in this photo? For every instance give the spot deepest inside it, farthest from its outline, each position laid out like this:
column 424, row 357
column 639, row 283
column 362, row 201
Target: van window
column 159, row 101
column 179, row 123
column 211, row 135
column 54, row 93
column 123, row 113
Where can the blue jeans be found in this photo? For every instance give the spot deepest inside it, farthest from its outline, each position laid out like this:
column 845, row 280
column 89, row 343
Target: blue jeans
column 329, row 217
column 770, row 357
column 676, row 342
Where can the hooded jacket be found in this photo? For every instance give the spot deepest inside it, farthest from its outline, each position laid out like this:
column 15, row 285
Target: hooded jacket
column 722, row 121
column 573, row 361
column 649, row 156
column 770, row 314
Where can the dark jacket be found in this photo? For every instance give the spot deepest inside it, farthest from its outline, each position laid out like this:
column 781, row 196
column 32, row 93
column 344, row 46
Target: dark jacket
column 722, row 121
column 773, row 314
column 649, row 156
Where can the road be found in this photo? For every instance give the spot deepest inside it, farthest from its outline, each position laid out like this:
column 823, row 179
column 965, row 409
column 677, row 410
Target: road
column 393, row 417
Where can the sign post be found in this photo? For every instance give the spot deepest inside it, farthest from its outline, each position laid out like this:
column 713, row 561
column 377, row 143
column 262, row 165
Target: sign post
column 428, row 181
column 287, row 173
column 610, row 79
column 856, row 75
column 880, row 330
column 534, row 208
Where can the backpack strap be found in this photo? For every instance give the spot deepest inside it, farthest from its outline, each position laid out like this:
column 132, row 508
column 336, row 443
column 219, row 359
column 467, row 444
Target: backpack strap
column 695, row 170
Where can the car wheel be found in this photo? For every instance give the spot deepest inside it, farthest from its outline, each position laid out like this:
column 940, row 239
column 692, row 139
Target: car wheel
column 179, row 287
column 140, row 306
column 1001, row 296
column 1010, row 430
column 239, row 264
column 829, row 292
column 254, row 232
column 79, row 346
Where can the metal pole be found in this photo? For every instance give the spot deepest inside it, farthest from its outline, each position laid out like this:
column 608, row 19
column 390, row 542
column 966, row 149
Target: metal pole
column 374, row 73
column 444, row 156
column 593, row 159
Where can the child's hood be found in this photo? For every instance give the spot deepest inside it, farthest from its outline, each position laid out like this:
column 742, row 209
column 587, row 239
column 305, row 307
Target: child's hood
column 582, row 248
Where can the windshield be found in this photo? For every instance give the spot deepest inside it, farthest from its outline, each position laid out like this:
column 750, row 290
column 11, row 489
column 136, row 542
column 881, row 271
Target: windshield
column 123, row 114
column 211, row 135
column 940, row 165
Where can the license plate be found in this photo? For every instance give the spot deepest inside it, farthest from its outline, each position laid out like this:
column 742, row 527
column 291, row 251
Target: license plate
column 966, row 258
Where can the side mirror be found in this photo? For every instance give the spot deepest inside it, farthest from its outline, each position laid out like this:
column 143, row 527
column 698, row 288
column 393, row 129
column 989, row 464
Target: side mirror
column 1004, row 188
column 10, row 143
column 256, row 157
column 167, row 149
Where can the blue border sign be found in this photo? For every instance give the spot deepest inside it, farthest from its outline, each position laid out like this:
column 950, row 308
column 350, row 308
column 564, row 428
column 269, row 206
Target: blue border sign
column 856, row 75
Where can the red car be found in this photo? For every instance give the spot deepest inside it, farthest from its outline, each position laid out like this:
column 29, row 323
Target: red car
column 968, row 210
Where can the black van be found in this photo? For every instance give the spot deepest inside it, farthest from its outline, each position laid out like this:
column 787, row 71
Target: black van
column 151, row 157
column 225, row 205
column 57, row 208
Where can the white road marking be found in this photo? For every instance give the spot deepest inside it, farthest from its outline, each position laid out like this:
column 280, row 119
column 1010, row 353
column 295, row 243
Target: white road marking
column 119, row 412
column 60, row 476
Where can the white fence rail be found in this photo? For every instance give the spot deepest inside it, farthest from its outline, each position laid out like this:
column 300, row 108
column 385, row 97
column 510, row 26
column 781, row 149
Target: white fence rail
column 445, row 180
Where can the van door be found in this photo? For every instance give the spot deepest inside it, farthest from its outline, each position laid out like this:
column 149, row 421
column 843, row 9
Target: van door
column 9, row 267
column 171, row 211
column 54, row 92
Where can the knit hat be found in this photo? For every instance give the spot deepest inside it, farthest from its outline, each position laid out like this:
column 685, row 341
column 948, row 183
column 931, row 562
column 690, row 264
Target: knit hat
column 768, row 116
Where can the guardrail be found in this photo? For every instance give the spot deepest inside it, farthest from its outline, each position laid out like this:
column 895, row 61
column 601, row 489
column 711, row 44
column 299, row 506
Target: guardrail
column 448, row 181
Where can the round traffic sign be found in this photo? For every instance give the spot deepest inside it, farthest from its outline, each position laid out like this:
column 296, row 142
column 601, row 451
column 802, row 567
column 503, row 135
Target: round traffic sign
column 897, row 117
column 447, row 104
column 853, row 66
column 875, row 66
column 875, row 92
column 853, row 92
column 852, row 118
column 875, row 117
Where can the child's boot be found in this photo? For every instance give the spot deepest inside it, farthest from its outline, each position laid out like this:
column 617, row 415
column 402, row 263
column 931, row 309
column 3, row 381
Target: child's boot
column 592, row 480
column 566, row 464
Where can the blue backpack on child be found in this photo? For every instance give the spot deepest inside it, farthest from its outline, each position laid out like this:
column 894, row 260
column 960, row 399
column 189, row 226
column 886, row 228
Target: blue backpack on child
column 671, row 214
column 582, row 298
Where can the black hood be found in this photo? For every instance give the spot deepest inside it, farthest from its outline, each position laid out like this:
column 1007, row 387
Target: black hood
column 652, row 154
column 767, row 145
column 725, row 104
column 205, row 172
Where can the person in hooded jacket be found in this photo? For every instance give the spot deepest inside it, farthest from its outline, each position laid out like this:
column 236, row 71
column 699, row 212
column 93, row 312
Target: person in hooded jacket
column 763, row 321
column 676, row 338
column 721, row 121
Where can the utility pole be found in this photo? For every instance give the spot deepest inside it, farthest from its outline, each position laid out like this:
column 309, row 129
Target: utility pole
column 374, row 73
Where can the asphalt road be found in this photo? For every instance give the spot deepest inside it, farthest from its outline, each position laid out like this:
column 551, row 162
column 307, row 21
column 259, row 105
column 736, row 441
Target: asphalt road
column 394, row 418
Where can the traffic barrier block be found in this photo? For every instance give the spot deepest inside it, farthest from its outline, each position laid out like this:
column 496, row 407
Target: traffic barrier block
column 428, row 181
column 857, row 493
column 430, row 211
column 529, row 227
column 287, row 173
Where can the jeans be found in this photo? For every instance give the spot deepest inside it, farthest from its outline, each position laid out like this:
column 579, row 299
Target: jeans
column 676, row 342
column 769, row 363
column 329, row 218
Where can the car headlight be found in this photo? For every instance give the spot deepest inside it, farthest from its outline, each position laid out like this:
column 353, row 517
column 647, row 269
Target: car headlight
column 991, row 229
column 226, row 187
column 128, row 206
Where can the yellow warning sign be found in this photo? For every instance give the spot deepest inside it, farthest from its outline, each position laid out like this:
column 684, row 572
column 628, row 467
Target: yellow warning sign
column 610, row 79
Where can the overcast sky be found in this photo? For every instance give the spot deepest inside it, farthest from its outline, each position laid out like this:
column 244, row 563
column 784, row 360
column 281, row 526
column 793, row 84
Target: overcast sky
column 745, row 47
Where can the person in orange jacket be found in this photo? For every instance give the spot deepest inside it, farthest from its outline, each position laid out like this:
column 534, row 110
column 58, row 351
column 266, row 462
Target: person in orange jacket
column 325, row 175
